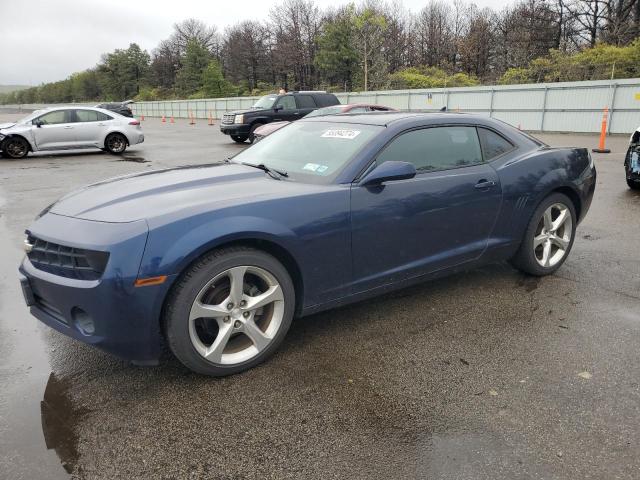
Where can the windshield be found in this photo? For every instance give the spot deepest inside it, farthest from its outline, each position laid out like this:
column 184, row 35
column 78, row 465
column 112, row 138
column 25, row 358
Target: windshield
column 326, row 111
column 312, row 152
column 265, row 102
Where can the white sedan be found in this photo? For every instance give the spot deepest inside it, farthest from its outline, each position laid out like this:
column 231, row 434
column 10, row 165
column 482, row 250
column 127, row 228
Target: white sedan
column 66, row 128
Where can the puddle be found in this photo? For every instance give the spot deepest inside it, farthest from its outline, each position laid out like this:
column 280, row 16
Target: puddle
column 131, row 158
column 24, row 372
column 530, row 284
column 59, row 421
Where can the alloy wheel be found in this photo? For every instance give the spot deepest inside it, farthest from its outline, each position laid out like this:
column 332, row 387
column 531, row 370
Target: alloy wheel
column 16, row 148
column 553, row 235
column 236, row 315
column 116, row 143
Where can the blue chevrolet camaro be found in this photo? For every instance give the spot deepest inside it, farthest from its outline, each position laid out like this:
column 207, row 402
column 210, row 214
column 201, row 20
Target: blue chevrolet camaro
column 216, row 260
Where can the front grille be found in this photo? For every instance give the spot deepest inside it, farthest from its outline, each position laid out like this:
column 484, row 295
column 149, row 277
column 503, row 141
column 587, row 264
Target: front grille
column 228, row 118
column 69, row 262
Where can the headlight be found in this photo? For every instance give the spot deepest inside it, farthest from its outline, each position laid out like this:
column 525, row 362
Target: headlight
column 2, row 137
column 239, row 119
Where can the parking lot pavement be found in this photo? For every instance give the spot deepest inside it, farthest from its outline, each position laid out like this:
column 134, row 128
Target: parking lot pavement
column 486, row 374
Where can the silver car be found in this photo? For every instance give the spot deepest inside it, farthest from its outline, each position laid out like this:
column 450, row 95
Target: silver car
column 66, row 128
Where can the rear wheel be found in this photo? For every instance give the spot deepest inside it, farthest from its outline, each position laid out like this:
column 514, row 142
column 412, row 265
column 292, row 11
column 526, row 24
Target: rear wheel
column 548, row 238
column 239, row 138
column 115, row 143
column 230, row 311
column 15, row 147
column 633, row 185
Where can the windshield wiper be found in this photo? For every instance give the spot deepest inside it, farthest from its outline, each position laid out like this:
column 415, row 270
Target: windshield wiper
column 267, row 170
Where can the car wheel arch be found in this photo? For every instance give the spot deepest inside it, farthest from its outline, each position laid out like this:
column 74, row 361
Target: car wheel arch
column 267, row 245
column 104, row 141
column 32, row 147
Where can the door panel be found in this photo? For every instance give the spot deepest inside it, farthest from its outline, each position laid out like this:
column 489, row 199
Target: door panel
column 90, row 129
column 288, row 112
column 57, row 130
column 417, row 226
column 438, row 219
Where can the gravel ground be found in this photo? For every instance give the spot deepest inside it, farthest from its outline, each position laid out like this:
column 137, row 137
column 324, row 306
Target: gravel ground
column 486, row 374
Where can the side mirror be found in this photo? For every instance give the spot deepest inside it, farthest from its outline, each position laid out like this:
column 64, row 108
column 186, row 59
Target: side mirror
column 38, row 123
column 388, row 171
column 277, row 108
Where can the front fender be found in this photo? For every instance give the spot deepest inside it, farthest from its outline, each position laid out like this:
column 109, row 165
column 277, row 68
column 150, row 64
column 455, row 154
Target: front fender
column 171, row 248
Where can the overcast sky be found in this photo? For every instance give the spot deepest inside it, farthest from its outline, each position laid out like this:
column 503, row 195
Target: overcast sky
column 53, row 38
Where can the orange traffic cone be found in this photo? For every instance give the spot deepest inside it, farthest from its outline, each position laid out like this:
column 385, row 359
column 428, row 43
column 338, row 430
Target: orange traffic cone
column 603, row 133
column 142, row 118
column 210, row 119
column 164, row 119
column 192, row 122
column 172, row 120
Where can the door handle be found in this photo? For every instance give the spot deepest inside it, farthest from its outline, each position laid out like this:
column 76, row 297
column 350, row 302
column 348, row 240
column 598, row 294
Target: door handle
column 484, row 184
column 69, row 126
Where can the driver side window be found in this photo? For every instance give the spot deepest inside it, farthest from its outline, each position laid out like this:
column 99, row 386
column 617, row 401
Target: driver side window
column 435, row 148
column 53, row 118
column 287, row 102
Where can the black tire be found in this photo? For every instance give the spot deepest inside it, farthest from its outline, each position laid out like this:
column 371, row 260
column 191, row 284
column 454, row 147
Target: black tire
column 15, row 147
column 116, row 143
column 633, row 185
column 252, row 135
column 190, row 285
column 239, row 138
column 525, row 258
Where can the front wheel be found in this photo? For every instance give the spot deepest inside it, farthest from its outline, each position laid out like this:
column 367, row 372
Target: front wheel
column 229, row 311
column 548, row 238
column 15, row 147
column 633, row 185
column 116, row 143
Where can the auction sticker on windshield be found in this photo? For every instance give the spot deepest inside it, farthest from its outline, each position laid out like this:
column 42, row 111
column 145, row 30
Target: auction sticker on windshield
column 348, row 134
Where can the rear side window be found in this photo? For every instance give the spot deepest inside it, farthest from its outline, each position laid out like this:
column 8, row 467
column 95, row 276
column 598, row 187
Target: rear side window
column 326, row 99
column 436, row 148
column 103, row 117
column 305, row 101
column 86, row 116
column 53, row 118
column 493, row 145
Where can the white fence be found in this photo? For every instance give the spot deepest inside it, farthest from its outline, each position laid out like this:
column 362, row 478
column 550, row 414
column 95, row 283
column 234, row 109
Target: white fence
column 547, row 107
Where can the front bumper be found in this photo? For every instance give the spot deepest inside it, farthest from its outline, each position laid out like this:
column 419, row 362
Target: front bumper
column 632, row 163
column 110, row 312
column 235, row 129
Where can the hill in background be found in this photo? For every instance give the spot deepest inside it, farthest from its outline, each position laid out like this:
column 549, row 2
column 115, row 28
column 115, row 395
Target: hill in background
column 13, row 88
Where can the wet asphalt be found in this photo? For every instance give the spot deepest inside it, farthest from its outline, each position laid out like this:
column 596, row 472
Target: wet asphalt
column 485, row 374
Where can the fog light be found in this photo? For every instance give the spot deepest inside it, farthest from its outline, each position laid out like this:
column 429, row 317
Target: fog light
column 83, row 321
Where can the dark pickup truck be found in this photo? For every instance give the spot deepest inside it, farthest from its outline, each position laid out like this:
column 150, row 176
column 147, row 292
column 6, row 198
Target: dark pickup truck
column 241, row 124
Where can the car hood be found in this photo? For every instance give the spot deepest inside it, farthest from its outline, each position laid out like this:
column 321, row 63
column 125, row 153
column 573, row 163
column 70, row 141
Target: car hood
column 250, row 110
column 6, row 125
column 152, row 194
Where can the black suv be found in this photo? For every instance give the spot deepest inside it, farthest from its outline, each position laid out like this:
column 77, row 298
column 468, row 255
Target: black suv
column 241, row 124
column 122, row 108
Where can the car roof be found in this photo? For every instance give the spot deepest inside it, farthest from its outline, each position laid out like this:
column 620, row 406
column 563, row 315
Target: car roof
column 389, row 118
column 75, row 107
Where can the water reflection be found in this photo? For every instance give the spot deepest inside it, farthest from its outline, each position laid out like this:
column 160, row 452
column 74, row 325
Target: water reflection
column 59, row 421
